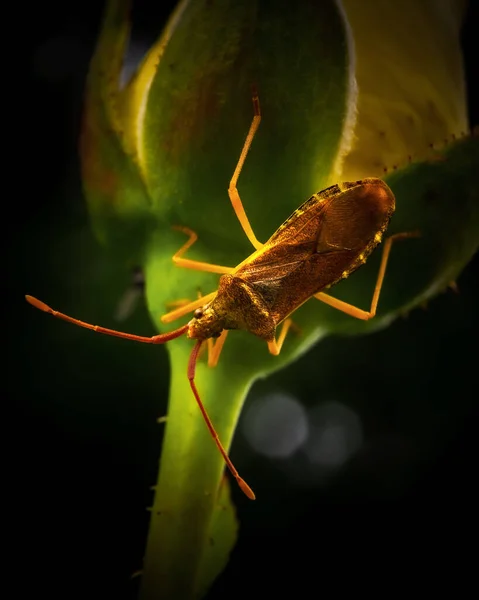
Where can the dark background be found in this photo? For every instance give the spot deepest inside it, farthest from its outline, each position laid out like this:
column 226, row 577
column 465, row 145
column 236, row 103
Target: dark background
column 84, row 443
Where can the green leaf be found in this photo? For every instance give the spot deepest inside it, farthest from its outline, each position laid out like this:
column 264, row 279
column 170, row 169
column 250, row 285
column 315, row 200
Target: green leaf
column 440, row 199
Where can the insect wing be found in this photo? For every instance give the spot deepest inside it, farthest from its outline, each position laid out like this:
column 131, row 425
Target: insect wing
column 294, row 242
column 322, row 242
column 353, row 219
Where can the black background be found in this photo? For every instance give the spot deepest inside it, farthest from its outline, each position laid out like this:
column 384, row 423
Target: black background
column 82, row 456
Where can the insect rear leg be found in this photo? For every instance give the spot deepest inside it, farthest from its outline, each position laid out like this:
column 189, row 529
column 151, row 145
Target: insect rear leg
column 232, row 190
column 275, row 346
column 354, row 311
column 186, row 263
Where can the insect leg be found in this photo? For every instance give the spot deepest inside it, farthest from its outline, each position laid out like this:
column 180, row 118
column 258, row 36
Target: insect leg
column 178, row 303
column 214, row 348
column 275, row 346
column 358, row 313
column 232, row 190
column 181, row 301
column 187, row 308
column 195, row 264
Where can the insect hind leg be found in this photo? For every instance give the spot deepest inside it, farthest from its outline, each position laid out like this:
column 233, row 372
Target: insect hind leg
column 354, row 311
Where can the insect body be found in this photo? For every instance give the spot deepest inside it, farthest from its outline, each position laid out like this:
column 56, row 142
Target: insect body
column 322, row 242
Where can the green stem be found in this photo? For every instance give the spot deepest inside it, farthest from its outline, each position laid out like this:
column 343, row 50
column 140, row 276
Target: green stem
column 191, row 470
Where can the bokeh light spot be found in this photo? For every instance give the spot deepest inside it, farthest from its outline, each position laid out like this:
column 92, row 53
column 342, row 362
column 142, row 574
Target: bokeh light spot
column 276, row 425
column 335, row 434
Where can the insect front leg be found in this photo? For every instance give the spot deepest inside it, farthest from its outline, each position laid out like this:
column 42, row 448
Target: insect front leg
column 215, row 348
column 233, row 190
column 178, row 303
column 197, row 265
column 181, row 302
column 354, row 311
column 187, row 308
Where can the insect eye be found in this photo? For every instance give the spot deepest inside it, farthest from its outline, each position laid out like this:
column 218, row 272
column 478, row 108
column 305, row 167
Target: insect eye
column 198, row 313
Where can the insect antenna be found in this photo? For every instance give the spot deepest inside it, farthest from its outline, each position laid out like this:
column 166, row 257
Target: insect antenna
column 191, row 376
column 161, row 338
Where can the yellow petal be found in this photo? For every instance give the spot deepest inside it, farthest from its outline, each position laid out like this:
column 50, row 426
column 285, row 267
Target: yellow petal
column 410, row 78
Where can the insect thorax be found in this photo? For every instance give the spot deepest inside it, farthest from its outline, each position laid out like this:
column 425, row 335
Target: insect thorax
column 239, row 305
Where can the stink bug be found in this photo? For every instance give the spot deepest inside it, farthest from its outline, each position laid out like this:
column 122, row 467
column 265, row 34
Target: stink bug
column 325, row 240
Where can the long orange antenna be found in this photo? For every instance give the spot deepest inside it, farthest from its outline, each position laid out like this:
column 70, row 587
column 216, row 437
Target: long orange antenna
column 191, row 376
column 155, row 339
